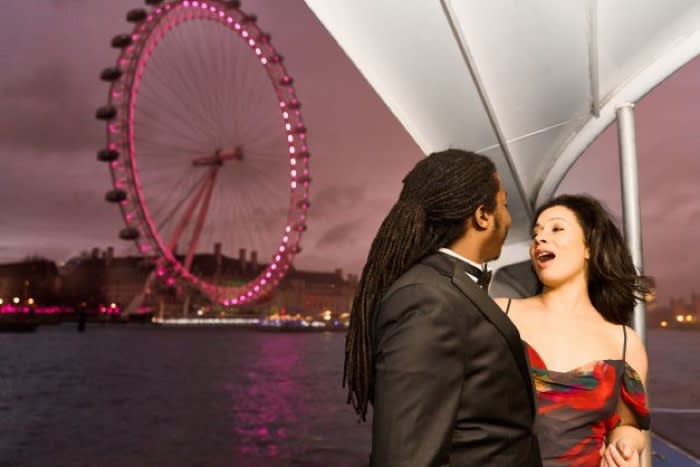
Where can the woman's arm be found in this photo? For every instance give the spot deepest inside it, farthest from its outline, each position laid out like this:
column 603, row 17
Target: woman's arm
column 627, row 438
column 627, row 433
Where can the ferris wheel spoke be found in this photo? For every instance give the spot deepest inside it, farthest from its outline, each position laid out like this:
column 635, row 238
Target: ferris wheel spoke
column 159, row 204
column 253, row 203
column 165, row 118
column 166, row 93
column 260, row 177
column 268, row 195
column 259, row 138
column 240, row 213
column 201, row 51
column 259, row 157
column 214, row 70
column 162, row 118
column 248, row 113
column 259, row 101
column 162, row 224
column 195, row 79
column 174, row 93
column 154, row 151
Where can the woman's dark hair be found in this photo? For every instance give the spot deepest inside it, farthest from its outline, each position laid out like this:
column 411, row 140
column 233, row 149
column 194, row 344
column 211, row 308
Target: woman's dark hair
column 614, row 284
column 439, row 194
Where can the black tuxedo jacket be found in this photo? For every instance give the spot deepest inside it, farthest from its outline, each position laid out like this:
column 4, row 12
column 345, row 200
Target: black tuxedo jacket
column 452, row 384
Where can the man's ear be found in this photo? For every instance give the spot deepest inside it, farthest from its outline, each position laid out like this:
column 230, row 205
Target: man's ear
column 481, row 218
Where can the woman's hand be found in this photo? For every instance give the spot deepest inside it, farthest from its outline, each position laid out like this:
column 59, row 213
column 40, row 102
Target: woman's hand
column 620, row 454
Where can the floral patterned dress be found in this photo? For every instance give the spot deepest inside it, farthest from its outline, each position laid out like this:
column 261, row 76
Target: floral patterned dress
column 577, row 408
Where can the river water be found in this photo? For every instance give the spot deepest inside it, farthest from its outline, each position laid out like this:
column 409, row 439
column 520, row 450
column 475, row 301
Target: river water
column 122, row 395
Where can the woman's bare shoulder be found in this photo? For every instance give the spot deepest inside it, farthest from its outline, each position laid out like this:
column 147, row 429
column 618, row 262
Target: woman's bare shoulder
column 628, row 343
column 636, row 354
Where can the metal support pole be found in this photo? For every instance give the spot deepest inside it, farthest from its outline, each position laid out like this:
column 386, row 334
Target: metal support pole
column 632, row 219
column 630, row 201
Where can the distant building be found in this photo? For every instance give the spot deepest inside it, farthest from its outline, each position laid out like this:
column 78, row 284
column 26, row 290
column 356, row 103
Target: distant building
column 34, row 280
column 124, row 278
column 99, row 278
column 311, row 293
column 677, row 314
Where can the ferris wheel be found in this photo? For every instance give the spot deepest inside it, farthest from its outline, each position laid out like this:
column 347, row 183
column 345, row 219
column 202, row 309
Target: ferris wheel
column 206, row 145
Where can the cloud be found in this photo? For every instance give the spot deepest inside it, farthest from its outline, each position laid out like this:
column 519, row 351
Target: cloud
column 67, row 3
column 339, row 235
column 48, row 111
column 336, row 200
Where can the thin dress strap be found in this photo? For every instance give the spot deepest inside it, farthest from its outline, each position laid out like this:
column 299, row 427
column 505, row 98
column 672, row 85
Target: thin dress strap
column 624, row 342
column 508, row 306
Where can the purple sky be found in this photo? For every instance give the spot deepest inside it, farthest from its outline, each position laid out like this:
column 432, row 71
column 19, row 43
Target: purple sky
column 52, row 186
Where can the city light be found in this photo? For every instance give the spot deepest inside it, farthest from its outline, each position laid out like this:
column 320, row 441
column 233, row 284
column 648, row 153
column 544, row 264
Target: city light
column 15, row 300
column 210, row 321
column 664, row 324
column 680, row 318
column 30, row 301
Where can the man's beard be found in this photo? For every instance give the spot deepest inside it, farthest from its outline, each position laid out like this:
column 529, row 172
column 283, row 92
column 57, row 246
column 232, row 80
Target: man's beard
column 498, row 237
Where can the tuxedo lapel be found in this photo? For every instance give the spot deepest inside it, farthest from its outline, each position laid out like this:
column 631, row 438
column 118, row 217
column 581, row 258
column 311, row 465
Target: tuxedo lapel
column 492, row 312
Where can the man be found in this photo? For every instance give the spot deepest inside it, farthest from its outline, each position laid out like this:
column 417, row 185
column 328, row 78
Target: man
column 442, row 365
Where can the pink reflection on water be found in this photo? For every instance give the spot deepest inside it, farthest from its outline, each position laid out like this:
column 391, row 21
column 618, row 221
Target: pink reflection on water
column 275, row 399
column 9, row 308
column 21, row 309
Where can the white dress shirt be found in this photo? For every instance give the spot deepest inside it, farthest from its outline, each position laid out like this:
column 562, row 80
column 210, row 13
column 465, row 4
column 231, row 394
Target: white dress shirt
column 449, row 252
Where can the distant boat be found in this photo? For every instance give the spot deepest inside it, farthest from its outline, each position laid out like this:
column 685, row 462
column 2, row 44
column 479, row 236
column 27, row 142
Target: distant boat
column 18, row 322
column 299, row 325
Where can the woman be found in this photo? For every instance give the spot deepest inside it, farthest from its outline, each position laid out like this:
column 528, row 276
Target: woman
column 587, row 364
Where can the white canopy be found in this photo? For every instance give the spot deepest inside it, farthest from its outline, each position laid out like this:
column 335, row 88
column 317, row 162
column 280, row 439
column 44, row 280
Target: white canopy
column 529, row 83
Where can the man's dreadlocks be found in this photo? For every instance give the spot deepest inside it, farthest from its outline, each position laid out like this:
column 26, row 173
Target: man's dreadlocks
column 439, row 194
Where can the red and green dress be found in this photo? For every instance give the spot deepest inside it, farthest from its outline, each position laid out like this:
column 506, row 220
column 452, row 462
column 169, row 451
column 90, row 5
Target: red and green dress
column 577, row 408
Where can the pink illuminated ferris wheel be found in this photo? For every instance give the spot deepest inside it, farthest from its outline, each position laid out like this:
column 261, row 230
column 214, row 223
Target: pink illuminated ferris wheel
column 206, row 145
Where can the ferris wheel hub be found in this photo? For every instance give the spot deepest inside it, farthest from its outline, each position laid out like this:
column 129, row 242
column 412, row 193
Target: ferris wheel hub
column 218, row 158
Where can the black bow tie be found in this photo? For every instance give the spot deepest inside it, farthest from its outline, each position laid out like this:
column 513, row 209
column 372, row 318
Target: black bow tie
column 483, row 276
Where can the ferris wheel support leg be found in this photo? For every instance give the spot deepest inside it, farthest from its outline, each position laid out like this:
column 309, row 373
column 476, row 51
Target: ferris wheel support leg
column 188, row 214
column 186, row 305
column 201, row 218
column 629, row 181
